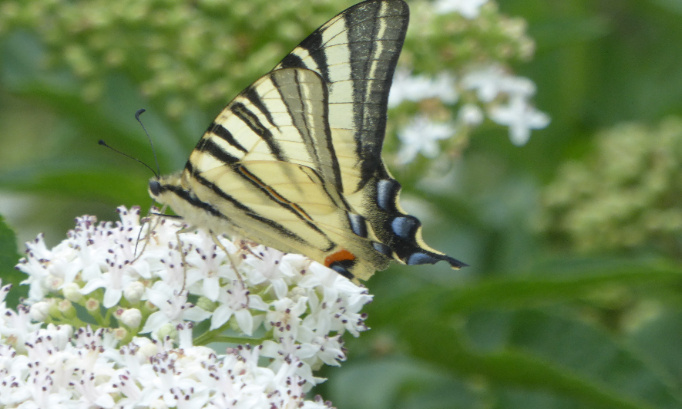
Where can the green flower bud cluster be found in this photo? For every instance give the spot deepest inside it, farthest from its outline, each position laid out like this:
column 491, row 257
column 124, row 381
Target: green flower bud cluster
column 625, row 194
column 452, row 41
column 181, row 53
column 197, row 54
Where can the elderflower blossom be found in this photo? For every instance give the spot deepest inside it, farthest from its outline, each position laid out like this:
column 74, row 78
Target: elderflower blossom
column 139, row 290
column 63, row 367
column 504, row 98
column 414, row 88
column 473, row 83
column 421, row 135
column 467, row 8
column 492, row 83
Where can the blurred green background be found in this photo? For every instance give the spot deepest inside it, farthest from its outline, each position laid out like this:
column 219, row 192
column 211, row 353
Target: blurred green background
column 574, row 294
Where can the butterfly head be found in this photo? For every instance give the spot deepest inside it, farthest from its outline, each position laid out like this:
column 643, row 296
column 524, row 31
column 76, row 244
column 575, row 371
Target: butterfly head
column 154, row 188
column 165, row 189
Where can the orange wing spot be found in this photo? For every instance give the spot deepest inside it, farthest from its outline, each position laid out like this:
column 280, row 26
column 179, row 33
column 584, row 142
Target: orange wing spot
column 341, row 255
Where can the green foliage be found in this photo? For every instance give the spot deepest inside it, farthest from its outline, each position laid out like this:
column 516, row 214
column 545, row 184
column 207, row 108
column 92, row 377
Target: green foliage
column 208, row 39
column 8, row 259
column 452, row 41
column 625, row 194
column 519, row 342
column 532, row 323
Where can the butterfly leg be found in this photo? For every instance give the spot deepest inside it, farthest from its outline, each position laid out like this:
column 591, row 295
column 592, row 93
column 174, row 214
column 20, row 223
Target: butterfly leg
column 147, row 220
column 182, row 255
column 147, row 237
column 217, row 242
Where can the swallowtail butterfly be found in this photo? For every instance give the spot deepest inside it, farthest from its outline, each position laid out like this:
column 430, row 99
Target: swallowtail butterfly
column 294, row 161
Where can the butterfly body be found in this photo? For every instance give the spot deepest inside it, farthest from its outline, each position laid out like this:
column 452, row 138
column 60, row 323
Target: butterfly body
column 294, row 161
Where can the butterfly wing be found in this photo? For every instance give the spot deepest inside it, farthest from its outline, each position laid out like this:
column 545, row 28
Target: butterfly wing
column 294, row 162
column 258, row 172
column 356, row 53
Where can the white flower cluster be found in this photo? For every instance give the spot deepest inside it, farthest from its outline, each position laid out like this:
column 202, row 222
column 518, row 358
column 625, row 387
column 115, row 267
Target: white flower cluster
column 420, row 135
column 475, row 91
column 505, row 99
column 491, row 84
column 56, row 367
column 467, row 8
column 125, row 279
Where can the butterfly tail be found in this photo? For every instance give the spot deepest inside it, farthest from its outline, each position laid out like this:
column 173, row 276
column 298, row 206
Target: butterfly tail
column 399, row 230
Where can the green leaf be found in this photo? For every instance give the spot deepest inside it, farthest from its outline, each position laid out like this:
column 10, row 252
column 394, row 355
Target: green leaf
column 617, row 380
column 8, row 259
column 657, row 339
column 526, row 336
column 397, row 383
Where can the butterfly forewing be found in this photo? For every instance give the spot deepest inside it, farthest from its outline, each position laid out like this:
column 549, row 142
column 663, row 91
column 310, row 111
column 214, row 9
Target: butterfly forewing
column 294, row 161
column 356, row 54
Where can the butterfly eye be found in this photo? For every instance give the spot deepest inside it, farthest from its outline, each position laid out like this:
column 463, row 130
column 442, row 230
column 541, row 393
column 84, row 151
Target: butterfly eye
column 154, row 187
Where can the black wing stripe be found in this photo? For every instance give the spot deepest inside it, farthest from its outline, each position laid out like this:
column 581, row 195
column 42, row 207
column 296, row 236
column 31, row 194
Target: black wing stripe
column 292, row 61
column 263, row 188
column 254, row 98
column 319, row 145
column 314, row 42
column 364, row 60
column 297, row 112
column 278, row 198
column 193, row 200
column 247, row 211
column 329, row 146
column 224, row 134
column 251, row 120
column 208, row 146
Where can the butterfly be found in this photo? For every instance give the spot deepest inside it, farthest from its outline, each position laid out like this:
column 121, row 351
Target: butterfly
column 294, row 161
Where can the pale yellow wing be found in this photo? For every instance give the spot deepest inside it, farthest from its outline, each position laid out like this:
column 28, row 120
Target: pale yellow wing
column 267, row 184
column 294, row 161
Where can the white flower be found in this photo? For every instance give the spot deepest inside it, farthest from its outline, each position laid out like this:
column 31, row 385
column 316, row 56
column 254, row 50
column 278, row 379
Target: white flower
column 237, row 302
column 467, row 8
column 173, row 308
column 159, row 283
column 84, row 369
column 267, row 267
column 520, row 117
column 35, row 262
column 488, row 82
column 407, row 87
column 208, row 264
column 134, row 292
column 421, row 136
column 491, row 83
column 131, row 317
column 471, row 114
column 113, row 282
column 15, row 326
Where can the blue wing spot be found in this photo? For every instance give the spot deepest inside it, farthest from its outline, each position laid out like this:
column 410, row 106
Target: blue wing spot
column 420, row 258
column 357, row 224
column 387, row 190
column 382, row 248
column 341, row 269
column 405, row 227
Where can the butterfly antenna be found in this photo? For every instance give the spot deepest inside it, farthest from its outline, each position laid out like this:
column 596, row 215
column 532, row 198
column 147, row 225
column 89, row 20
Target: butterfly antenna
column 101, row 142
column 156, row 160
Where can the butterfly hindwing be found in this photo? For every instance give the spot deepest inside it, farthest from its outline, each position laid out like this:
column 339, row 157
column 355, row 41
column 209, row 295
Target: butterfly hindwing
column 267, row 182
column 294, row 161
